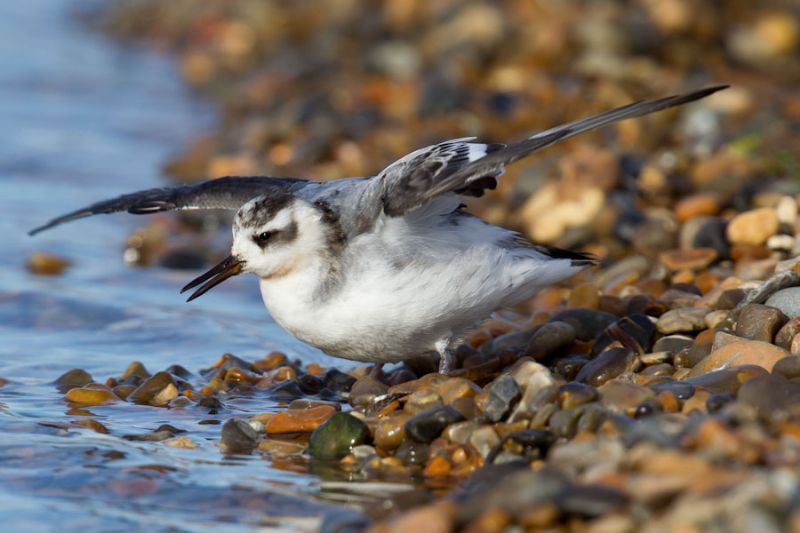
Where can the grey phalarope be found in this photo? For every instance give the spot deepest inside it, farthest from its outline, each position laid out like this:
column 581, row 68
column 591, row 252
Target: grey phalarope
column 387, row 268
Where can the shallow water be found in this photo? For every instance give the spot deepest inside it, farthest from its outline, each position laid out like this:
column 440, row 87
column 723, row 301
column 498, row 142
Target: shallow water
column 83, row 119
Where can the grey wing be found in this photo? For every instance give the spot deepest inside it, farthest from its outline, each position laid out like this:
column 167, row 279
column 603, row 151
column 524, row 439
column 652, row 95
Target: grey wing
column 221, row 193
column 467, row 168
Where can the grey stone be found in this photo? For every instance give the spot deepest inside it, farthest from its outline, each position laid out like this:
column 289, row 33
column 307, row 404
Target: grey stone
column 238, row 437
column 787, row 300
column 429, row 424
column 587, row 323
column 605, row 366
column 549, row 339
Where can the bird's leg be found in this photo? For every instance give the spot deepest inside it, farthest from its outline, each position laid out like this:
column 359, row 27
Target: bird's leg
column 375, row 372
column 445, row 356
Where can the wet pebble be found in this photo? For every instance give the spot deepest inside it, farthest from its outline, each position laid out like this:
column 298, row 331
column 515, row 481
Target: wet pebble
column 549, row 339
column 483, row 440
column 427, row 425
column 135, row 369
column 672, row 343
column 569, row 367
column 158, row 390
column 391, row 431
column 336, row 437
column 634, row 332
column 422, row 400
column 45, row 264
column 77, row 377
column 587, row 323
column 743, row 352
column 286, row 391
column 238, row 436
column 607, row 365
column 624, row 397
column 682, row 390
column 365, row 389
column 338, row 381
column 498, row 398
column 455, row 389
column 91, row 396
column 575, row 393
column 726, row 379
column 182, row 442
column 161, row 433
column 299, row 420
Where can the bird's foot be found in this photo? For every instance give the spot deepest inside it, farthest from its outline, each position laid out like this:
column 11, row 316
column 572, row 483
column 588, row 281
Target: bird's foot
column 445, row 362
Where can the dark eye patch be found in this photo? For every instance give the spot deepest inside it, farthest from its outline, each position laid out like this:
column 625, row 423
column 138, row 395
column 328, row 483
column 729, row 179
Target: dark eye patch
column 263, row 238
column 276, row 236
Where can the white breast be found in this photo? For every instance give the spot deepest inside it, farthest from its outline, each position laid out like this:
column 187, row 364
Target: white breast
column 402, row 289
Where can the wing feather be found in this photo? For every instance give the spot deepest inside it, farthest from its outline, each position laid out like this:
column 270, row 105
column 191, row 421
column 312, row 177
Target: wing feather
column 421, row 177
column 222, row 193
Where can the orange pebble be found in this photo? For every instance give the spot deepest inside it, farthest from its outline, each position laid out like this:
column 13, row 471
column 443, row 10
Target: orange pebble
column 438, row 466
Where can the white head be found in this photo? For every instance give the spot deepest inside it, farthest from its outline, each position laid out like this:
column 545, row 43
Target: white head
column 274, row 236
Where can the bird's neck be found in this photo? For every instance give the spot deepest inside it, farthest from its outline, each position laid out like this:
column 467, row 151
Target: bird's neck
column 308, row 282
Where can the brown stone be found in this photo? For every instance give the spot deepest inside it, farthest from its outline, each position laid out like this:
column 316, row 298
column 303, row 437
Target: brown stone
column 91, row 396
column 681, row 320
column 44, row 264
column 759, row 322
column 298, row 420
column 788, row 332
column 744, row 352
column 157, row 390
column 272, row 360
column 697, row 402
column 391, row 431
column 585, row 296
column 437, row 466
column 753, row 227
column 91, row 423
column 623, row 396
column 697, row 205
column 693, row 259
column 455, row 388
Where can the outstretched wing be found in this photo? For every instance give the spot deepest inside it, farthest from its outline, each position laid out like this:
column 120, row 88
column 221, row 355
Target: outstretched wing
column 463, row 167
column 221, row 193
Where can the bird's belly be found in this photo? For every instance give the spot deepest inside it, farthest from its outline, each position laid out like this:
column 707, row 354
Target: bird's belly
column 360, row 327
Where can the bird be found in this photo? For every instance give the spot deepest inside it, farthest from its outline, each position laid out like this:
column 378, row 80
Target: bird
column 386, row 268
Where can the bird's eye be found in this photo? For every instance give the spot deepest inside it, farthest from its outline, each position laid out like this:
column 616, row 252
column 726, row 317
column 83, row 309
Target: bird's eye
column 262, row 238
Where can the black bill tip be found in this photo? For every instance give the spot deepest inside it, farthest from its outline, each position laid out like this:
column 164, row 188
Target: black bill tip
column 227, row 268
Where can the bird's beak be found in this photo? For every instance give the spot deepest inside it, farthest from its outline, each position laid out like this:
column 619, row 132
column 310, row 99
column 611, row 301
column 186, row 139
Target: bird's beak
column 229, row 267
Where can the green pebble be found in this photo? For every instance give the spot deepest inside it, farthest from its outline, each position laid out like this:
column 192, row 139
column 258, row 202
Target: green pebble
column 336, row 437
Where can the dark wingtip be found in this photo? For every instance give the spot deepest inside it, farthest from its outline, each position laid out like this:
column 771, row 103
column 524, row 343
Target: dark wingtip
column 60, row 220
column 702, row 93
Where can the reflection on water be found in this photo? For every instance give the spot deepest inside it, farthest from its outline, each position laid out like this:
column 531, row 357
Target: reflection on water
column 84, row 119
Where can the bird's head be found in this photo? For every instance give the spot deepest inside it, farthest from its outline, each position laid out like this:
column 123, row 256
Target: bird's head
column 273, row 236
